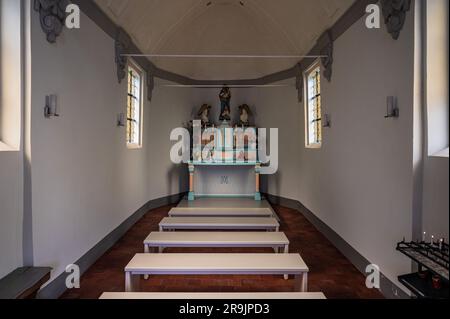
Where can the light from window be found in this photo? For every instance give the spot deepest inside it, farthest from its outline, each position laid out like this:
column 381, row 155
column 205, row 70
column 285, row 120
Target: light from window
column 436, row 76
column 313, row 107
column 134, row 107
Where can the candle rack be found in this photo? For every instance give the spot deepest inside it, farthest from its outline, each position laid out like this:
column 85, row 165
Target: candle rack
column 432, row 280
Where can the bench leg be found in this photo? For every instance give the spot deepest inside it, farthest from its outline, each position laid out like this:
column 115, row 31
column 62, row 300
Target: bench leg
column 301, row 282
column 131, row 282
column 161, row 229
column 277, row 229
column 160, row 250
column 286, row 251
column 146, row 250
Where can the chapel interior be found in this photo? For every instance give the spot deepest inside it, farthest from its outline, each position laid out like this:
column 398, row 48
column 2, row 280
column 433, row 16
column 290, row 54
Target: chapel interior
column 224, row 149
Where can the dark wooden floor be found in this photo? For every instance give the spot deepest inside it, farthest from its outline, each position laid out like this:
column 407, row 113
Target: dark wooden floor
column 330, row 272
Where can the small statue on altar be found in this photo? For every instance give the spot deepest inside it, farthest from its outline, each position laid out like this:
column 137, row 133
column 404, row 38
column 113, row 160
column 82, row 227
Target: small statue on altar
column 225, row 109
column 245, row 113
column 204, row 114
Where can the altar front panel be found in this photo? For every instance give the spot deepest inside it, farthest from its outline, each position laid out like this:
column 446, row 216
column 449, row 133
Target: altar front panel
column 225, row 181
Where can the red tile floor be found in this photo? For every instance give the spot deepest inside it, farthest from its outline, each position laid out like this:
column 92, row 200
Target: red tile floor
column 330, row 272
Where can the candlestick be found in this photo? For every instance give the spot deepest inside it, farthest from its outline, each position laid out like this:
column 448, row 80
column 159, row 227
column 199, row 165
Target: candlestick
column 424, row 236
column 441, row 241
column 432, row 240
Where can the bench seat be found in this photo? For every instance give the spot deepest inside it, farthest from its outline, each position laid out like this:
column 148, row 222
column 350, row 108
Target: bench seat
column 219, row 223
column 220, row 212
column 211, row 296
column 161, row 240
column 24, row 282
column 216, row 264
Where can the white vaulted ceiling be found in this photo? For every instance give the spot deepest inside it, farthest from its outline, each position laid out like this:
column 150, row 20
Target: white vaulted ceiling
column 224, row 27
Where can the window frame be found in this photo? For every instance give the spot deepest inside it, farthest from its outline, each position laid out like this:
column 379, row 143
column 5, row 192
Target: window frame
column 135, row 67
column 307, row 100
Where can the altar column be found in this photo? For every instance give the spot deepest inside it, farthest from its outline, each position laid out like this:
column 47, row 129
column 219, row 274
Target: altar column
column 257, row 175
column 191, row 195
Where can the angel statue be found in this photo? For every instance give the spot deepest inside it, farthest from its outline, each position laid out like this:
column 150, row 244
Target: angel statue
column 245, row 113
column 225, row 110
column 204, row 114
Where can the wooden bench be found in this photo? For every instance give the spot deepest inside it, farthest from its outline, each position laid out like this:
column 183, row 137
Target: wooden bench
column 216, row 264
column 211, row 296
column 161, row 240
column 219, row 223
column 276, row 240
column 24, row 283
column 220, row 212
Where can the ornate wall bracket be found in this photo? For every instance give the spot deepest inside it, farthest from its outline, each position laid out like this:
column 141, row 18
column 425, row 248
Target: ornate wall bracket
column 327, row 51
column 52, row 15
column 122, row 44
column 394, row 13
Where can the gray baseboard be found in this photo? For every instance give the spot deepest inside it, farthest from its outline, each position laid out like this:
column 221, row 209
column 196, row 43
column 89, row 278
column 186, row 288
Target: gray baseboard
column 58, row 286
column 388, row 288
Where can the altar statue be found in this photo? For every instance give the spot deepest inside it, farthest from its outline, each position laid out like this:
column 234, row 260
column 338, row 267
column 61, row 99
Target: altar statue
column 245, row 113
column 204, row 114
column 225, row 110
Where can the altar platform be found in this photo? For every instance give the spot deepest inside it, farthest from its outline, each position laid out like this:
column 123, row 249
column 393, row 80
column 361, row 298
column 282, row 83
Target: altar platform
column 224, row 203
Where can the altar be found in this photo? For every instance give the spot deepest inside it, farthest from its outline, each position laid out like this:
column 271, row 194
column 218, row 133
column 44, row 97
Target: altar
column 224, row 158
column 224, row 180
column 224, row 162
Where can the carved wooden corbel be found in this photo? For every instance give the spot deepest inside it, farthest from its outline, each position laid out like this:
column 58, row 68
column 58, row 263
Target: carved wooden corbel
column 122, row 44
column 394, row 13
column 326, row 51
column 52, row 15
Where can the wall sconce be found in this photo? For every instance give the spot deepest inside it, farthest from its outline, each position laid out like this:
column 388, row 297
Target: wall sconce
column 51, row 106
column 392, row 110
column 121, row 120
column 327, row 120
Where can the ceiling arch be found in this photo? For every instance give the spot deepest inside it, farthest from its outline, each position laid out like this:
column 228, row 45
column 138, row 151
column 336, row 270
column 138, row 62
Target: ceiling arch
column 224, row 27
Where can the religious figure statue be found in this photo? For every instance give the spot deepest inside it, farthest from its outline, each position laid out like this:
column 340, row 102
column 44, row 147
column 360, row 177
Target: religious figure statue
column 204, row 114
column 225, row 110
column 245, row 113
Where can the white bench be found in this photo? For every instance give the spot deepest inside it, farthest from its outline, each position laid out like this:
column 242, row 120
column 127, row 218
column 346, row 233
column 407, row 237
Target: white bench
column 276, row 240
column 219, row 223
column 161, row 240
column 220, row 212
column 211, row 296
column 216, row 264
